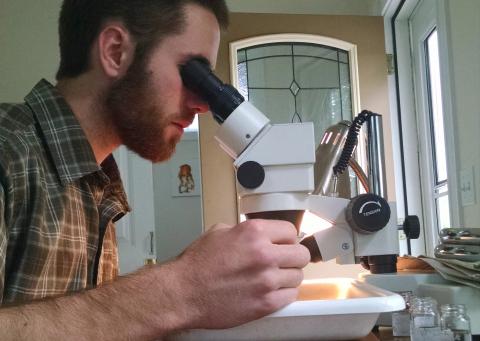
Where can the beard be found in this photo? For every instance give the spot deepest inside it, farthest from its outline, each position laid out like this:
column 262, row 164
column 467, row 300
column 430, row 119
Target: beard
column 138, row 120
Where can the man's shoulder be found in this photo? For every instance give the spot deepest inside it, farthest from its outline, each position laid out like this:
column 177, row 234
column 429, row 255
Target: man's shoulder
column 15, row 117
column 16, row 127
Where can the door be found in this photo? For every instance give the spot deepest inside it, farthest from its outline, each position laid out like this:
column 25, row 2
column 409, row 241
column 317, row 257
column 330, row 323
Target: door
column 135, row 231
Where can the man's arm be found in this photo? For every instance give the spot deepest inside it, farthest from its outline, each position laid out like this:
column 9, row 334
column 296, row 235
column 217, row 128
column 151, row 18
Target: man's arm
column 227, row 277
column 131, row 308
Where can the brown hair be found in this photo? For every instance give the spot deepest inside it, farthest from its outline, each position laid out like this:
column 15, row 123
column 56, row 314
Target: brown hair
column 147, row 20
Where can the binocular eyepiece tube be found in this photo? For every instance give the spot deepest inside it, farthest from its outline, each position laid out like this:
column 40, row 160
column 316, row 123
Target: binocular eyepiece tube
column 222, row 98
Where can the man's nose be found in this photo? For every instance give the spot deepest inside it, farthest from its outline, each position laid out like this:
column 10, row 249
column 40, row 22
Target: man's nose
column 196, row 103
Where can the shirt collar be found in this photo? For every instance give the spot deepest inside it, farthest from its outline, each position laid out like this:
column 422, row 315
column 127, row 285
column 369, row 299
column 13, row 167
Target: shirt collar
column 70, row 150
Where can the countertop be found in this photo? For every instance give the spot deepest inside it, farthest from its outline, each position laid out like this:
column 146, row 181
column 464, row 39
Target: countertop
column 379, row 334
column 385, row 334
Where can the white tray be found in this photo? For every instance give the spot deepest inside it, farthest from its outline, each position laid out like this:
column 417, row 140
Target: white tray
column 327, row 309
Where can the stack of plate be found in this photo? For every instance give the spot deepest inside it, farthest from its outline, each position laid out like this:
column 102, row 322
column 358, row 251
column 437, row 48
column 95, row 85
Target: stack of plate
column 459, row 243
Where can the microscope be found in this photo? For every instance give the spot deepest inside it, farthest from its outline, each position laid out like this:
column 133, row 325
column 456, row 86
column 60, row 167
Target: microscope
column 280, row 174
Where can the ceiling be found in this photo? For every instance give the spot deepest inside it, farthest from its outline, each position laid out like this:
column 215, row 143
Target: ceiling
column 326, row 7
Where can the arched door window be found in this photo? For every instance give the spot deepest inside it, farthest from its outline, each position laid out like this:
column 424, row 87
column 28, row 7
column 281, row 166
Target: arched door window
column 298, row 78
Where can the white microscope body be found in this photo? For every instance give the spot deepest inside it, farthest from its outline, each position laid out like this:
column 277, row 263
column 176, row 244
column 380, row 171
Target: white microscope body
column 286, row 153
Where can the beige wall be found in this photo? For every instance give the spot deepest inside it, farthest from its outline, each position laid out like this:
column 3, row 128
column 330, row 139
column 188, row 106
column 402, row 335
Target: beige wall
column 28, row 45
column 219, row 203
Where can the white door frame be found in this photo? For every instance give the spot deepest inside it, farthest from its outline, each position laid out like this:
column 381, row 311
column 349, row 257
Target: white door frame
column 409, row 182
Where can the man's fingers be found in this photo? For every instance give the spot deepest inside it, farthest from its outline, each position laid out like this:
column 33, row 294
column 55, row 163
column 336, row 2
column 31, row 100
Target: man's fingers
column 289, row 278
column 281, row 297
column 278, row 231
column 279, row 246
column 291, row 256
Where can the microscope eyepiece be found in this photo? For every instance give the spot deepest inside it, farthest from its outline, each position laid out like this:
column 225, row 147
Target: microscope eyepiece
column 222, row 98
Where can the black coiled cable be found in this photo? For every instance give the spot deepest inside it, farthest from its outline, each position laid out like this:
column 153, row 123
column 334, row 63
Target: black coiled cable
column 351, row 141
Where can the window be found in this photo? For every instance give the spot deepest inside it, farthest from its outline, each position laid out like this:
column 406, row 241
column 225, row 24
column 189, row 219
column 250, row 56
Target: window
column 297, row 82
column 298, row 78
column 437, row 132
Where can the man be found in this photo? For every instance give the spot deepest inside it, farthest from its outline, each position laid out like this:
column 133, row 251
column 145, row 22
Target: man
column 60, row 193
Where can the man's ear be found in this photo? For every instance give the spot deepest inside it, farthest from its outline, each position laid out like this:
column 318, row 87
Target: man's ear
column 116, row 49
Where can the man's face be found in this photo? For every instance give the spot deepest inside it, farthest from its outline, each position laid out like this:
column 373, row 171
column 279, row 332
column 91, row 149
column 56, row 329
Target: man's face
column 150, row 107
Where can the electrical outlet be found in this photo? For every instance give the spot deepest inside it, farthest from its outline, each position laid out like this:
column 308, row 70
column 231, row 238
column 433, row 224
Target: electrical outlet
column 467, row 186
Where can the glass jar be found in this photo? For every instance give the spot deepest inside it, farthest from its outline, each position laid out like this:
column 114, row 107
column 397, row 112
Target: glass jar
column 424, row 319
column 424, row 313
column 454, row 317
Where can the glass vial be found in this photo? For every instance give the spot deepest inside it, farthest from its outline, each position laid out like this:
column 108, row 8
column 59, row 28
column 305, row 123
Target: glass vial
column 454, row 317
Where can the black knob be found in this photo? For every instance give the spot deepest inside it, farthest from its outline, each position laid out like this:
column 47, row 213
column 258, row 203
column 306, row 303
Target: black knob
column 250, row 174
column 368, row 213
column 411, row 227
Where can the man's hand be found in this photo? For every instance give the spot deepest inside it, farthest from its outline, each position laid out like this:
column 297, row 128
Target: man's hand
column 232, row 275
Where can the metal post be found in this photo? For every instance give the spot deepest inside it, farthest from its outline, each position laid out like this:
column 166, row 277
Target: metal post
column 376, row 156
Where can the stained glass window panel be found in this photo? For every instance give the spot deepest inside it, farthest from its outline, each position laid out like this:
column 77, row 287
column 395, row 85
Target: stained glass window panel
column 315, row 51
column 316, row 73
column 279, row 104
column 322, row 107
column 273, row 72
column 269, row 51
column 345, row 90
column 297, row 82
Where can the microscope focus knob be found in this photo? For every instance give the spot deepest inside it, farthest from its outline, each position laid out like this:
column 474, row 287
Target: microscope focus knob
column 250, row 174
column 411, row 227
column 368, row 213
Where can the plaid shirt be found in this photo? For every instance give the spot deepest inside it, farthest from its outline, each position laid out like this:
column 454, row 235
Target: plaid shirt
column 57, row 206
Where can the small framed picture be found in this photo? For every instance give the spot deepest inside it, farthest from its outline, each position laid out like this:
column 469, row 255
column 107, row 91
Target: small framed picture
column 185, row 177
